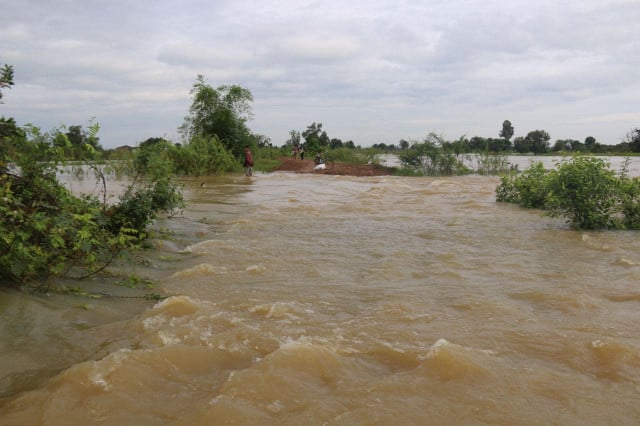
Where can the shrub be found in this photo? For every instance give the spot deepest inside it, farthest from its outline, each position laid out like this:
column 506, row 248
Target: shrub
column 352, row 156
column 202, row 156
column 47, row 231
column 586, row 192
column 532, row 186
column 431, row 160
column 491, row 163
column 582, row 189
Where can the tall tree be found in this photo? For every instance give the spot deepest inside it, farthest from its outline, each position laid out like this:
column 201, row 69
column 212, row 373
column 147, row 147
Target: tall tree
column 538, row 141
column 507, row 130
column 315, row 138
column 221, row 112
column 294, row 138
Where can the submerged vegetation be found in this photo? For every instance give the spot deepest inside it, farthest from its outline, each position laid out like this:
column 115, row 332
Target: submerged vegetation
column 45, row 230
column 583, row 189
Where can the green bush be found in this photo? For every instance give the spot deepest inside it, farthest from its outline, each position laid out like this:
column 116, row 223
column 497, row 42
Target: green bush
column 352, row 156
column 202, row 156
column 47, row 231
column 586, row 192
column 582, row 189
column 630, row 191
column 428, row 159
column 491, row 163
column 529, row 189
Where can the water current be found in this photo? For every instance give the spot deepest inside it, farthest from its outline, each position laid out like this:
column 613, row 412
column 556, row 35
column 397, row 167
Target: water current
column 299, row 299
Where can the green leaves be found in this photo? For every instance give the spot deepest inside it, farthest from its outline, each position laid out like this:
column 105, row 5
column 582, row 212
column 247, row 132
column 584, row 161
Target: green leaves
column 430, row 158
column 6, row 77
column 47, row 231
column 583, row 189
column 222, row 113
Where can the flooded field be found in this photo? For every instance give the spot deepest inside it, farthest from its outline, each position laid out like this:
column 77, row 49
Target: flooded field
column 330, row 300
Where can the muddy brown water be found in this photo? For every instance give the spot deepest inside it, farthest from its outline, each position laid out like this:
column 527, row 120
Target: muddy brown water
column 332, row 300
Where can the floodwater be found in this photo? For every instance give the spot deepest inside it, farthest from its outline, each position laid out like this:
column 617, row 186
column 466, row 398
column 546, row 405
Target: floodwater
column 320, row 300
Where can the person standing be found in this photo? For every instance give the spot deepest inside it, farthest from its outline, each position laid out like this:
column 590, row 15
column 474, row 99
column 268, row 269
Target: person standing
column 248, row 162
column 301, row 152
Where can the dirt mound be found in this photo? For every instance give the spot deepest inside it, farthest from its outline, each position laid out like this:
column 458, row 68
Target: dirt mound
column 296, row 165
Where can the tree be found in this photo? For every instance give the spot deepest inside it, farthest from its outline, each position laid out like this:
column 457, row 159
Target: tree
column 6, row 78
column 521, row 145
column 507, row 131
column 80, row 143
column 477, row 143
column 45, row 230
column 221, row 112
column 294, row 139
column 263, row 141
column 589, row 142
column 538, row 141
column 567, row 145
column 633, row 138
column 315, row 138
column 460, row 145
column 335, row 143
column 431, row 157
column 498, row 145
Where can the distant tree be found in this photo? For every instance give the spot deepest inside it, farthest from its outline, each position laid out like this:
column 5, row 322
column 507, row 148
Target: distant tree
column 460, row 145
column 403, row 144
column 263, row 141
column 82, row 143
column 76, row 135
column 521, row 145
column 567, row 145
column 507, row 131
column 221, row 112
column 538, row 141
column 432, row 157
column 335, row 143
column 315, row 138
column 294, row 139
column 633, row 138
column 350, row 145
column 477, row 143
column 498, row 145
column 589, row 142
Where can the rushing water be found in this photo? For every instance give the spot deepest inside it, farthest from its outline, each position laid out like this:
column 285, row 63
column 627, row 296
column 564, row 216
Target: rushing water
column 314, row 299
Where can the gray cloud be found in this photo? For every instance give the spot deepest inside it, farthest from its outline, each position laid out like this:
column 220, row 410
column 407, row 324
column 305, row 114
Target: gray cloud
column 371, row 71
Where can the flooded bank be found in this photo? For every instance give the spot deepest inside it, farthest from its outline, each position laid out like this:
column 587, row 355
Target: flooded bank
column 305, row 299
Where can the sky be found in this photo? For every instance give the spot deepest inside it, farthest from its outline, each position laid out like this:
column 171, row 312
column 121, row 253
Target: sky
column 370, row 71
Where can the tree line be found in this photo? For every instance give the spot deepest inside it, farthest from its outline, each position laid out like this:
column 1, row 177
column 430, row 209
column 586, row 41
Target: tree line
column 534, row 142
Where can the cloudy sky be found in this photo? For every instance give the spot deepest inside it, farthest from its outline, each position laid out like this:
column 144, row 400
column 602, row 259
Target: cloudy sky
column 371, row 71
